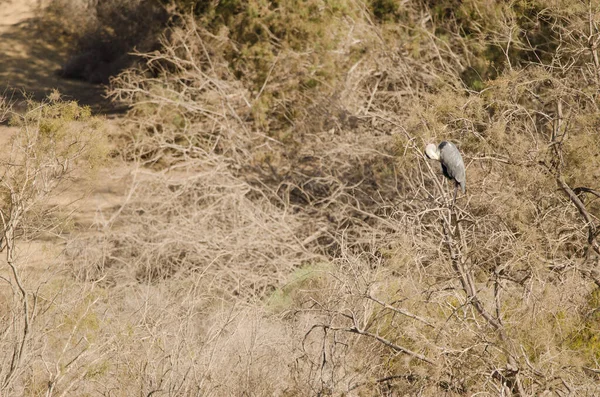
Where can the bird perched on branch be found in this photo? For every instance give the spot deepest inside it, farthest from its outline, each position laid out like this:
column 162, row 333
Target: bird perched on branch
column 453, row 166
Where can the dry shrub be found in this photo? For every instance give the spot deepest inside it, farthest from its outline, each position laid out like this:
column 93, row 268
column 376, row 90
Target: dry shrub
column 52, row 142
column 203, row 221
column 196, row 132
column 326, row 240
column 285, row 52
column 5, row 108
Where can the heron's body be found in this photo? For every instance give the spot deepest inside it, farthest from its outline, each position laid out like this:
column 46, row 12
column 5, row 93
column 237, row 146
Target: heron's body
column 453, row 166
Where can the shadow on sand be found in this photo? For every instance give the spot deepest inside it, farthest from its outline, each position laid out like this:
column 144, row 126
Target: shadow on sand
column 29, row 66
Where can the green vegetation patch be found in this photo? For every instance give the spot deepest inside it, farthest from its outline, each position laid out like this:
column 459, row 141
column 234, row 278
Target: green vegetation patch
column 302, row 282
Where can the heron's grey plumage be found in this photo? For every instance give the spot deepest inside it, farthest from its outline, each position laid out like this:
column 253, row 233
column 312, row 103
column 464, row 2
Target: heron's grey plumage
column 451, row 160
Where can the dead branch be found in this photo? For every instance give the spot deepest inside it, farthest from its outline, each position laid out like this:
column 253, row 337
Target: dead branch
column 592, row 231
column 400, row 311
column 391, row 345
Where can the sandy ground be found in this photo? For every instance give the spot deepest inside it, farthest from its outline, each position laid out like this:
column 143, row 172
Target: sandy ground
column 29, row 64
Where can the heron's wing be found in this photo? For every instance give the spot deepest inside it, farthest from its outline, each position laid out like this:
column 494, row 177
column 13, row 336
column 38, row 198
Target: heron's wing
column 452, row 163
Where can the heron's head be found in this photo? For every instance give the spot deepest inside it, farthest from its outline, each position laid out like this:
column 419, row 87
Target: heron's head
column 432, row 151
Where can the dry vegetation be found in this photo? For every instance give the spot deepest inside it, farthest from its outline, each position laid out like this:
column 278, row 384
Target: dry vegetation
column 283, row 233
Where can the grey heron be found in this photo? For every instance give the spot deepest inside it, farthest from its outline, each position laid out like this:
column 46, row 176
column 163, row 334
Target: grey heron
column 453, row 166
